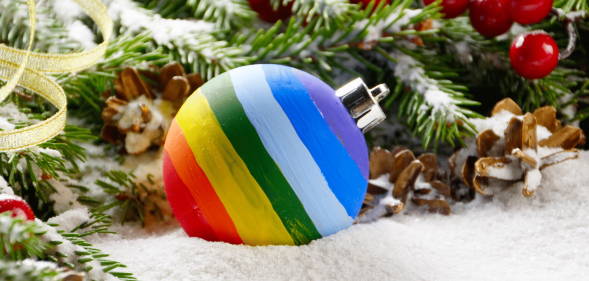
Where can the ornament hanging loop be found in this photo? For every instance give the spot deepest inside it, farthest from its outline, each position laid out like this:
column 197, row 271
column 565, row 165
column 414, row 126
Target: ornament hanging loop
column 362, row 103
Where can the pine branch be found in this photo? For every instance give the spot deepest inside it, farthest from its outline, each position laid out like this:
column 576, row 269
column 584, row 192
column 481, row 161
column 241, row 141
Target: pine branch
column 71, row 250
column 432, row 105
column 224, row 14
column 87, row 90
column 126, row 195
column 50, row 35
column 571, row 5
column 192, row 43
column 20, row 238
column 30, row 270
column 28, row 171
column 330, row 14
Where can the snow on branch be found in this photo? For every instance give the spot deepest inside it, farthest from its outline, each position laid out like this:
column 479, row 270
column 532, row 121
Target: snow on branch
column 438, row 107
column 50, row 35
column 224, row 13
column 330, row 13
column 190, row 41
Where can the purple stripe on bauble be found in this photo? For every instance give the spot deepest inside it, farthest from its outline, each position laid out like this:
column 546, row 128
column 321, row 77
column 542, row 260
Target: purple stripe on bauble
column 337, row 117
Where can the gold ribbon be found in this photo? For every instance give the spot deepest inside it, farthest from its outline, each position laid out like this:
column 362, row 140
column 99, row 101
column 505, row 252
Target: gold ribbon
column 27, row 70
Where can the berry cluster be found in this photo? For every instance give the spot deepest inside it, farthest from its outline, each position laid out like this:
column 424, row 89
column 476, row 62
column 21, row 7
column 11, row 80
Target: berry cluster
column 533, row 54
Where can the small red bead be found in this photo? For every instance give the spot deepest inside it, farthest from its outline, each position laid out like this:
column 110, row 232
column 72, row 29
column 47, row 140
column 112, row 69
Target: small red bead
column 534, row 54
column 452, row 8
column 528, row 11
column 18, row 207
column 489, row 18
column 267, row 13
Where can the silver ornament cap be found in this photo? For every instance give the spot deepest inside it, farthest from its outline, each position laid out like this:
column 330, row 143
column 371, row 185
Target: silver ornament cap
column 362, row 103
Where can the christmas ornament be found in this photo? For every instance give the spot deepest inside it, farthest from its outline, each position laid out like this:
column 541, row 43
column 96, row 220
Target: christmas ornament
column 489, row 18
column 27, row 69
column 396, row 175
column 528, row 11
column 138, row 115
column 267, row 13
column 16, row 205
column 268, row 154
column 534, row 54
column 452, row 8
column 515, row 148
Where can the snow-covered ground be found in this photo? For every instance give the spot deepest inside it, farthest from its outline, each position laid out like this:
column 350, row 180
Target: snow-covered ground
column 508, row 237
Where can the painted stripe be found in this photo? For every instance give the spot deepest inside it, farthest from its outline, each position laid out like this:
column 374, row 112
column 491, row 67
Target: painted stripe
column 242, row 135
column 199, row 186
column 183, row 205
column 256, row 221
column 342, row 173
column 287, row 150
column 338, row 119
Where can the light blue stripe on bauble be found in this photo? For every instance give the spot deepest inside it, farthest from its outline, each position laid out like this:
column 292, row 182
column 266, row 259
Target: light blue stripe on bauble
column 340, row 170
column 290, row 154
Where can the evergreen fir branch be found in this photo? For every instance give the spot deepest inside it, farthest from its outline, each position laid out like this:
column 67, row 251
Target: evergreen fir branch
column 20, row 238
column 51, row 159
column 29, row 171
column 72, row 251
column 125, row 195
column 87, row 90
column 224, row 14
column 330, row 14
column 433, row 106
column 196, row 47
column 50, row 35
column 571, row 5
column 30, row 270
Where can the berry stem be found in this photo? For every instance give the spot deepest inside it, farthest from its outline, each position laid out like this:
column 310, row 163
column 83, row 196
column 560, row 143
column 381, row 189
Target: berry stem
column 570, row 20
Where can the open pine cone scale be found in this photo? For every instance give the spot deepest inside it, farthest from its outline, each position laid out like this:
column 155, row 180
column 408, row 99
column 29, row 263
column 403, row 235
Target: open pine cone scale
column 396, row 176
column 529, row 144
column 139, row 116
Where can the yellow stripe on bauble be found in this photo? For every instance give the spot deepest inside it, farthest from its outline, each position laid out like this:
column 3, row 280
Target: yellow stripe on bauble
column 256, row 221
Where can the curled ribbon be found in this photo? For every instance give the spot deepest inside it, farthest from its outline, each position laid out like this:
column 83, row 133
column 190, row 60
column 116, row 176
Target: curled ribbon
column 27, row 69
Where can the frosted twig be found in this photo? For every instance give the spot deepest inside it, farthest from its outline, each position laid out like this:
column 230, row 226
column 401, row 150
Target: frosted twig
column 570, row 20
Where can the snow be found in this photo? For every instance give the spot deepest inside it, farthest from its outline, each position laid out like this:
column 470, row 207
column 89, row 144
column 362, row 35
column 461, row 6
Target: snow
column 506, row 237
column 67, row 11
column 82, row 34
column 70, row 219
column 382, row 181
column 5, row 188
column 164, row 31
column 509, row 171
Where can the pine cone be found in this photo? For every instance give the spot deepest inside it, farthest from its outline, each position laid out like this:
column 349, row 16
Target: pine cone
column 139, row 117
column 529, row 143
column 397, row 175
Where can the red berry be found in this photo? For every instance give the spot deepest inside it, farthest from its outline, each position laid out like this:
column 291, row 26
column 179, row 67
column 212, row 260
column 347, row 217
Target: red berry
column 534, row 54
column 15, row 204
column 366, row 2
column 267, row 13
column 489, row 18
column 528, row 11
column 452, row 8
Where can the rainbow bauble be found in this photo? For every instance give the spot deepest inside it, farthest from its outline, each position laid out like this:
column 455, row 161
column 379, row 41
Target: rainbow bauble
column 265, row 155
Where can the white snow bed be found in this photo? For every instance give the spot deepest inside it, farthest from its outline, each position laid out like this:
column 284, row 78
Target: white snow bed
column 508, row 237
